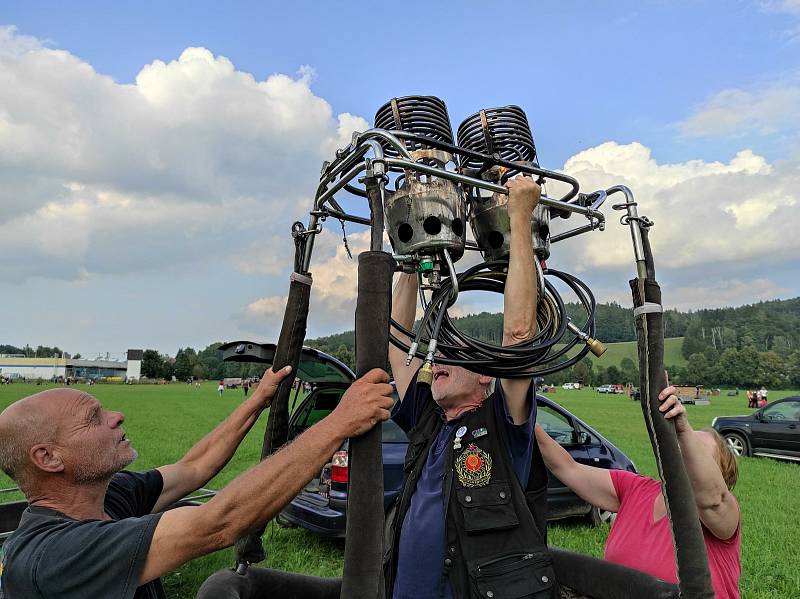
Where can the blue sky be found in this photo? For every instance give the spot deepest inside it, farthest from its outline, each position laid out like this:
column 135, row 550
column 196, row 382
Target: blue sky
column 693, row 102
column 586, row 71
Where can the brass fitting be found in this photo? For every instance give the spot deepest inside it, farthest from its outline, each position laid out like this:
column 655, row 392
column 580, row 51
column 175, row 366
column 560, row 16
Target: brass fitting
column 425, row 374
column 596, row 346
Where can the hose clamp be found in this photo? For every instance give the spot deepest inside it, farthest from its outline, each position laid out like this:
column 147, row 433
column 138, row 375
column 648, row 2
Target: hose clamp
column 304, row 279
column 648, row 308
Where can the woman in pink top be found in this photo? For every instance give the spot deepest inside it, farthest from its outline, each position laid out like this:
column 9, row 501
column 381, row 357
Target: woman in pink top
column 640, row 537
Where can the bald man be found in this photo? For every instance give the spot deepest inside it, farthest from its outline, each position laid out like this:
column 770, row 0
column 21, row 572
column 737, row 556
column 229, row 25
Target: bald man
column 95, row 531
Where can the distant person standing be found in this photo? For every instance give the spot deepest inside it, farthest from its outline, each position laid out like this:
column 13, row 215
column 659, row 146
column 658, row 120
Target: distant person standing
column 764, row 393
column 246, row 387
column 221, row 388
column 751, row 399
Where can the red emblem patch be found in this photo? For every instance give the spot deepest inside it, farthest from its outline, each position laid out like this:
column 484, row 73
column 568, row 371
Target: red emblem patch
column 473, row 463
column 474, row 467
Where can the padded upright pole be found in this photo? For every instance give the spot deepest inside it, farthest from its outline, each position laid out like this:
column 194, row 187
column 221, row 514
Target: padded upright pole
column 690, row 549
column 249, row 549
column 363, row 554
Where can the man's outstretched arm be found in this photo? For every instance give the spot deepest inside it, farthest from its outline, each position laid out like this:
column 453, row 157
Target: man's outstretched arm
column 591, row 484
column 254, row 497
column 521, row 291
column 404, row 309
column 209, row 455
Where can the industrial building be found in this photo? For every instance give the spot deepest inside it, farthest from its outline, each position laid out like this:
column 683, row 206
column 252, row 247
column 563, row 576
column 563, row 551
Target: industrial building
column 17, row 367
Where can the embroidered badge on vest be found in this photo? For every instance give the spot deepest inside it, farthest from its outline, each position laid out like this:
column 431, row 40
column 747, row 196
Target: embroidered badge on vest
column 474, row 467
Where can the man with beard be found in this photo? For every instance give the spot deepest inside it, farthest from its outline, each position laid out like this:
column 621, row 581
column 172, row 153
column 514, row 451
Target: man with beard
column 94, row 530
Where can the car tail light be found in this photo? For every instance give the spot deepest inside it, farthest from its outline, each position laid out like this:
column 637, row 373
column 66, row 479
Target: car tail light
column 339, row 473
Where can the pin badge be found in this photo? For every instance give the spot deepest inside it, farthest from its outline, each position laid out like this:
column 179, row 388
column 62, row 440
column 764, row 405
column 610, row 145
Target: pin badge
column 462, row 430
column 478, row 433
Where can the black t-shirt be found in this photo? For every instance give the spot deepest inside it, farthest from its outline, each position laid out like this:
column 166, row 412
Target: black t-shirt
column 52, row 556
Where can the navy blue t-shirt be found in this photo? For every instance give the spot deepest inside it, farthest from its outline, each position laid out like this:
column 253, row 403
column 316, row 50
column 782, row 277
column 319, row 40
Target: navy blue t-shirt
column 421, row 551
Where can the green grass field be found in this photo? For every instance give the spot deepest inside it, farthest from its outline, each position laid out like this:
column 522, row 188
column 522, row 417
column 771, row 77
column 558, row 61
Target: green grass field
column 615, row 352
column 163, row 422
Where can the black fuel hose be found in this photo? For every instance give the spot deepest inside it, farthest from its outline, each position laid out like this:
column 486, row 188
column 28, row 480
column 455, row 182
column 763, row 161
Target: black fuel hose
column 547, row 352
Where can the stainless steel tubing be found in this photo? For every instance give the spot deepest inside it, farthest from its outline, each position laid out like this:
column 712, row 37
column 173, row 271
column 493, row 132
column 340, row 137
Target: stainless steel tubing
column 354, row 156
column 573, row 232
column 544, row 200
column 632, row 220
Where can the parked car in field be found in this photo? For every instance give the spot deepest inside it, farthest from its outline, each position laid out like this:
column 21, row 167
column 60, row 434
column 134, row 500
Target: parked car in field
column 232, row 382
column 322, row 506
column 571, row 386
column 614, row 389
column 772, row 431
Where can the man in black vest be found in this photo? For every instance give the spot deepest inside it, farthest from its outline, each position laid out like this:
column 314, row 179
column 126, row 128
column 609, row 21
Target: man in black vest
column 470, row 521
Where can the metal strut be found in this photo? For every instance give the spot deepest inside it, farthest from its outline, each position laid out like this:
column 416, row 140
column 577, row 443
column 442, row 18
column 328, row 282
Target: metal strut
column 690, row 550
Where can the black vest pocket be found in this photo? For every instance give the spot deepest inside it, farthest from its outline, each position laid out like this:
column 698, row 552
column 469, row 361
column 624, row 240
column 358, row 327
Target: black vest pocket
column 513, row 575
column 487, row 508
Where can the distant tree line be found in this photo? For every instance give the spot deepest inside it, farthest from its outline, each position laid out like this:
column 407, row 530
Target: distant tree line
column 745, row 368
column 41, row 351
column 189, row 363
column 748, row 346
column 743, row 347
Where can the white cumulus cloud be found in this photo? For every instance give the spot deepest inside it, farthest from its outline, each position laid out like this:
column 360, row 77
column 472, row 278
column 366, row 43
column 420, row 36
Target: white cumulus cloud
column 13, row 43
column 732, row 292
column 710, row 217
column 767, row 109
column 266, row 307
column 333, row 292
column 193, row 149
column 705, row 212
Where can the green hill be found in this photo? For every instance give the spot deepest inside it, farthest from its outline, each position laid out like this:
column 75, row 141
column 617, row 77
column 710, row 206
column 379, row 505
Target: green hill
column 615, row 352
column 752, row 345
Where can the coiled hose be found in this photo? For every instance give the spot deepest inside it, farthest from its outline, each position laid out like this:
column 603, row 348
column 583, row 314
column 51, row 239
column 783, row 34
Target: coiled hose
column 546, row 353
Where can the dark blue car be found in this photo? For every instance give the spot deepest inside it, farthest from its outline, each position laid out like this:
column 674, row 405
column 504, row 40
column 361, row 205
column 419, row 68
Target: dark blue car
column 322, row 506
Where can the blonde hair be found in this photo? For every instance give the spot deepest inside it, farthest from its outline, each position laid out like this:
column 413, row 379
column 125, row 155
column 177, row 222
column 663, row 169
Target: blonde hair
column 726, row 459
